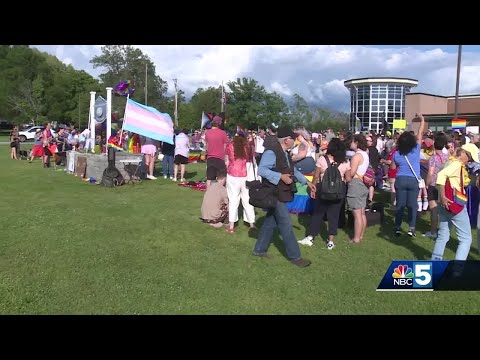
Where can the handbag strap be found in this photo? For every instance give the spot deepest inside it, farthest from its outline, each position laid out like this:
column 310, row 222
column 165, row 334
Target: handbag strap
column 411, row 168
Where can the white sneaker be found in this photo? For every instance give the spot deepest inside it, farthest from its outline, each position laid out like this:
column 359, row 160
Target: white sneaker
column 306, row 241
column 182, row 180
column 165, row 176
column 330, row 245
column 425, row 206
column 151, row 177
column 171, row 177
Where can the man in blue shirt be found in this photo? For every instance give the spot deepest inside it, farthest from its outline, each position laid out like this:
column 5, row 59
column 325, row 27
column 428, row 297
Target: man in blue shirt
column 276, row 169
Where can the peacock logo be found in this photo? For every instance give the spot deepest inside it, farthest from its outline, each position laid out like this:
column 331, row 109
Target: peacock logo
column 403, row 272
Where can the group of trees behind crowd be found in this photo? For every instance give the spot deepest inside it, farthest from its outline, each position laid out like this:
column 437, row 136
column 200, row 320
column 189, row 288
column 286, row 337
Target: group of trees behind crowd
column 36, row 87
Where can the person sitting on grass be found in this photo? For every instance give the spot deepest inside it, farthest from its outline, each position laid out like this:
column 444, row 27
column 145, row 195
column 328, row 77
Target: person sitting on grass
column 215, row 202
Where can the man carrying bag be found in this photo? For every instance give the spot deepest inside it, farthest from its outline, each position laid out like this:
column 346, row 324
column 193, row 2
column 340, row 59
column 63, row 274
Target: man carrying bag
column 277, row 171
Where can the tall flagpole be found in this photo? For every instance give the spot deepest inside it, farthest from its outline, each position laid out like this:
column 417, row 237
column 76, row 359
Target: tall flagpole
column 459, row 61
column 222, row 99
column 146, row 80
column 176, row 103
column 124, row 120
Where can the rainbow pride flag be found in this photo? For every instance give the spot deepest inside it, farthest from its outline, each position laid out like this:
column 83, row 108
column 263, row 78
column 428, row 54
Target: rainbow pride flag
column 459, row 197
column 302, row 202
column 459, row 124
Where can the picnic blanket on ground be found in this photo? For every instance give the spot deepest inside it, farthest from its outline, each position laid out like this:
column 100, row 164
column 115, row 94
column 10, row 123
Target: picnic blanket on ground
column 195, row 185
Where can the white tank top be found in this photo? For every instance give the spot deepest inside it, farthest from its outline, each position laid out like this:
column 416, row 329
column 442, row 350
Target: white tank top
column 362, row 169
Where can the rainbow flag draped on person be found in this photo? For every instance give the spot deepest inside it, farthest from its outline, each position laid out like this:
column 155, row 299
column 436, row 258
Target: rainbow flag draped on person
column 302, row 203
column 148, row 121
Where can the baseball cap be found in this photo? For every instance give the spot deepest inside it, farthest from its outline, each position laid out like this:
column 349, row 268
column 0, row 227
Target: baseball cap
column 472, row 149
column 284, row 132
column 217, row 120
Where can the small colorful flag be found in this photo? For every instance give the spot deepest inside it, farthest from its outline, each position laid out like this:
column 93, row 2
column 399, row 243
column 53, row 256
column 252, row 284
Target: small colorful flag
column 123, row 89
column 459, row 124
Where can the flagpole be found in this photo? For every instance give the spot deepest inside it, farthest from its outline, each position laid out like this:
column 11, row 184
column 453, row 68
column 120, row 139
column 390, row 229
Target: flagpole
column 457, row 87
column 176, row 103
column 124, row 120
column 91, row 120
column 221, row 100
column 146, row 80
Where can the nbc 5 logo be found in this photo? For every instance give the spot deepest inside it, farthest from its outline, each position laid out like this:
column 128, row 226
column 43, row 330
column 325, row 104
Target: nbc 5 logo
column 415, row 274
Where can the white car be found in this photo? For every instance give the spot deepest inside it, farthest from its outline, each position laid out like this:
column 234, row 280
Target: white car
column 29, row 133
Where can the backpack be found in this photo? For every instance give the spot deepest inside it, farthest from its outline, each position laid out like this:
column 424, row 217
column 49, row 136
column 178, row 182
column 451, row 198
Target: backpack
column 369, row 176
column 332, row 187
column 112, row 177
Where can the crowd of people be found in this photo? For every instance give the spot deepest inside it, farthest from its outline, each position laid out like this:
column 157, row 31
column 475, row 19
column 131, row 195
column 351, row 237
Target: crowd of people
column 424, row 171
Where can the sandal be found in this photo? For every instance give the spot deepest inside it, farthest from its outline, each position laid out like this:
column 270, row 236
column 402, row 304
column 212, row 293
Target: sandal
column 230, row 231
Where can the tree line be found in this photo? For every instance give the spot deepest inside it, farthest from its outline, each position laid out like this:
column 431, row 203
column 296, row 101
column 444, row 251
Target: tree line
column 36, row 87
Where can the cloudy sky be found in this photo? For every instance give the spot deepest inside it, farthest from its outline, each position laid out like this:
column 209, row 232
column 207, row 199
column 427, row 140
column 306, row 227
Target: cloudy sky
column 316, row 72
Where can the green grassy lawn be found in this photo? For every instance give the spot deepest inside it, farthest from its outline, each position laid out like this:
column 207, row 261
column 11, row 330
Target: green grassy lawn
column 70, row 247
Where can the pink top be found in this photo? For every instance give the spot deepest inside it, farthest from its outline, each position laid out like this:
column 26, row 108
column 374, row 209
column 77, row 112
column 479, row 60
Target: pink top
column 322, row 164
column 237, row 167
column 216, row 139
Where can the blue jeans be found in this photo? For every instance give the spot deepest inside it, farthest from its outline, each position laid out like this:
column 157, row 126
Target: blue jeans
column 280, row 217
column 406, row 189
column 167, row 165
column 461, row 222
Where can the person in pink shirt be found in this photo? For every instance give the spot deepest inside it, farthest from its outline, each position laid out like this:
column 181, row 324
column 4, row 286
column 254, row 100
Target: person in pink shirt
column 216, row 139
column 336, row 153
column 238, row 152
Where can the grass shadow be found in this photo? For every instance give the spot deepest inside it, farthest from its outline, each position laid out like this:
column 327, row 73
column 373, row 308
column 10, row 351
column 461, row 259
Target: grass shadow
column 190, row 174
column 422, row 225
column 276, row 240
column 306, row 219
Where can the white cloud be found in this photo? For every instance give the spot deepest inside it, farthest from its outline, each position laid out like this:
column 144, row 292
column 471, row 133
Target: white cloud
column 316, row 72
column 282, row 89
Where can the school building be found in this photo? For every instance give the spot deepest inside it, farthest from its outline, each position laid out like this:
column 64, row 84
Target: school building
column 440, row 110
column 375, row 99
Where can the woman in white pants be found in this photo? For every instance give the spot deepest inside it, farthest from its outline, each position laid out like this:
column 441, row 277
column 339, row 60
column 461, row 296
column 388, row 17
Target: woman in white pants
column 238, row 153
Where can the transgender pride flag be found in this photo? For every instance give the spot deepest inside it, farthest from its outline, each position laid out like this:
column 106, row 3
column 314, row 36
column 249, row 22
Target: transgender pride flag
column 148, row 121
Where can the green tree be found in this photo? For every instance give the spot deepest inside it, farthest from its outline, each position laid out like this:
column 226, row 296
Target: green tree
column 206, row 100
column 35, row 86
column 300, row 113
column 274, row 110
column 187, row 117
column 28, row 100
column 124, row 62
column 247, row 100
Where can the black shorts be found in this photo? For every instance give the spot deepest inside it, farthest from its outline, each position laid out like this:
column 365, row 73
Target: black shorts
column 432, row 193
column 179, row 159
column 47, row 151
column 13, row 144
column 213, row 166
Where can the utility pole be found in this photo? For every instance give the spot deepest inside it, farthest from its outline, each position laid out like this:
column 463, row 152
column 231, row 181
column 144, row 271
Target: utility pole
column 176, row 103
column 146, row 80
column 459, row 60
column 78, row 112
